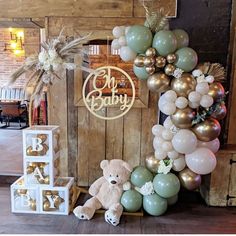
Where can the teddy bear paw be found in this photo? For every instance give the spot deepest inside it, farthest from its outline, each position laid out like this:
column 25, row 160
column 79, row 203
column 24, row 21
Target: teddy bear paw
column 83, row 213
column 111, row 217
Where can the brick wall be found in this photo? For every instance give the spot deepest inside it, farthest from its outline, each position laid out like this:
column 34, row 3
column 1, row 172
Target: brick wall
column 9, row 62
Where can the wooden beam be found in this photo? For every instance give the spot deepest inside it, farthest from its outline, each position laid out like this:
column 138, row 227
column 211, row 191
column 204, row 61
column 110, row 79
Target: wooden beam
column 21, row 23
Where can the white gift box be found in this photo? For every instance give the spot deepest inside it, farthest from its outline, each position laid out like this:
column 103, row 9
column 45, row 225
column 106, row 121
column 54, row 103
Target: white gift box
column 57, row 200
column 24, row 199
column 41, row 142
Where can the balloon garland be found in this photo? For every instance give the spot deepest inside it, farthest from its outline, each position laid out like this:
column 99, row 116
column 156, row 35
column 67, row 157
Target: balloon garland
column 193, row 99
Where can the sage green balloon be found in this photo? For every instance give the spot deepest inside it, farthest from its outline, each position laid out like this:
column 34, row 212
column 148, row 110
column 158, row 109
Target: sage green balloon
column 172, row 200
column 166, row 185
column 140, row 72
column 154, row 204
column 164, row 42
column 131, row 200
column 139, row 38
column 186, row 59
column 140, row 176
column 182, row 38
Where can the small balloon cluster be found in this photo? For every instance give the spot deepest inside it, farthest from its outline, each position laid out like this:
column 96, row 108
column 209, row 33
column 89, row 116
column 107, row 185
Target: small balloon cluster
column 153, row 192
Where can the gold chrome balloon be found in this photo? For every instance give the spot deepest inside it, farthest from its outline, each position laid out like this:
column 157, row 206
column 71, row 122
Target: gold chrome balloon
column 43, row 137
column 220, row 113
column 21, row 191
column 184, row 85
column 151, row 52
column 160, row 62
column 171, row 58
column 40, row 180
column 54, row 192
column 169, row 69
column 158, row 82
column 149, row 61
column 47, row 192
column 30, row 152
column 207, row 130
column 47, row 179
column 216, row 90
column 57, row 201
column 183, row 118
column 152, row 163
column 139, row 61
column 150, row 69
column 32, row 204
column 46, row 205
column 189, row 179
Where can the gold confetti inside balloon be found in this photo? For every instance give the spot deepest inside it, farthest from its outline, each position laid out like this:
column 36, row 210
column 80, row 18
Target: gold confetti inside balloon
column 158, row 82
column 171, row 58
column 216, row 91
column 207, row 130
column 189, row 179
column 184, row 85
column 152, row 163
column 183, row 118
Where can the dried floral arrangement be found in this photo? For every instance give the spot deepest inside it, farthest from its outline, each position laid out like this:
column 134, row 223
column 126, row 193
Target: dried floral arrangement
column 57, row 53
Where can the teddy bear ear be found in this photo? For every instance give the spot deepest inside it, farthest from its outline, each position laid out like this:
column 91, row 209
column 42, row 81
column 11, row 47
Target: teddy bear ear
column 104, row 163
column 127, row 166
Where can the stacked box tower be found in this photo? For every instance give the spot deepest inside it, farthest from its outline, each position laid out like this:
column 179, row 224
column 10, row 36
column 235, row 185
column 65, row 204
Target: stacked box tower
column 40, row 189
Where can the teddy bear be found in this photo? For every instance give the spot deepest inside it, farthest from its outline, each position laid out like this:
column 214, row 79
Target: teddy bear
column 106, row 192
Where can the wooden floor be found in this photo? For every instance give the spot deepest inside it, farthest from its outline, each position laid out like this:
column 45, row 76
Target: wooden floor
column 11, row 156
column 189, row 215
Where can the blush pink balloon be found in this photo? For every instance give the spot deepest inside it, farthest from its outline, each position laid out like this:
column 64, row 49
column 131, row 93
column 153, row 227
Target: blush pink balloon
column 213, row 145
column 202, row 161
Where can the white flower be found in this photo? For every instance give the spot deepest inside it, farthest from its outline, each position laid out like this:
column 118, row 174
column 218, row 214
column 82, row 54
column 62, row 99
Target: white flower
column 197, row 73
column 43, row 57
column 201, row 79
column 52, row 54
column 210, row 79
column 146, row 189
column 163, row 168
column 178, row 73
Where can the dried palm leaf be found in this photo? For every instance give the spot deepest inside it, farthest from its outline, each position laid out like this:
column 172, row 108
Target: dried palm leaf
column 218, row 71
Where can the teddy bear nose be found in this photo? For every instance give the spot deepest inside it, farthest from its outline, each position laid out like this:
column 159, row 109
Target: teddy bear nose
column 113, row 182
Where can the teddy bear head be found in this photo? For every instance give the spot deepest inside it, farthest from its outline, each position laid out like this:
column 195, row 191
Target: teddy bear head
column 116, row 171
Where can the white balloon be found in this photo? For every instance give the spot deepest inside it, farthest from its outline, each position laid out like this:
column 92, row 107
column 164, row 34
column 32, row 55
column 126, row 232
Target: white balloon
column 179, row 163
column 167, row 146
column 160, row 154
column 170, row 96
column 194, row 104
column 194, row 97
column 167, row 135
column 184, row 141
column 118, row 31
column 213, row 145
column 157, row 130
column 168, row 123
column 127, row 54
column 202, row 161
column 162, row 100
column 168, row 108
column 197, row 73
column 127, row 29
column 122, row 41
column 202, row 88
column 157, row 142
column 115, row 44
column 173, row 154
column 206, row 101
column 181, row 102
column 210, row 79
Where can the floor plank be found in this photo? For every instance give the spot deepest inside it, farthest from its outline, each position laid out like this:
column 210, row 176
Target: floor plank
column 190, row 215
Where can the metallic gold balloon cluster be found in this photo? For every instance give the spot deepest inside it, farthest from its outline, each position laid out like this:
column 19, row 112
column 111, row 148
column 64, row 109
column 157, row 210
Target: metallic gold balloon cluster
column 30, row 169
column 31, row 152
column 31, row 201
column 57, row 200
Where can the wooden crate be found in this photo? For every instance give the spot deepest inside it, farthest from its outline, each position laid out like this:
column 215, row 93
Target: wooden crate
column 219, row 188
